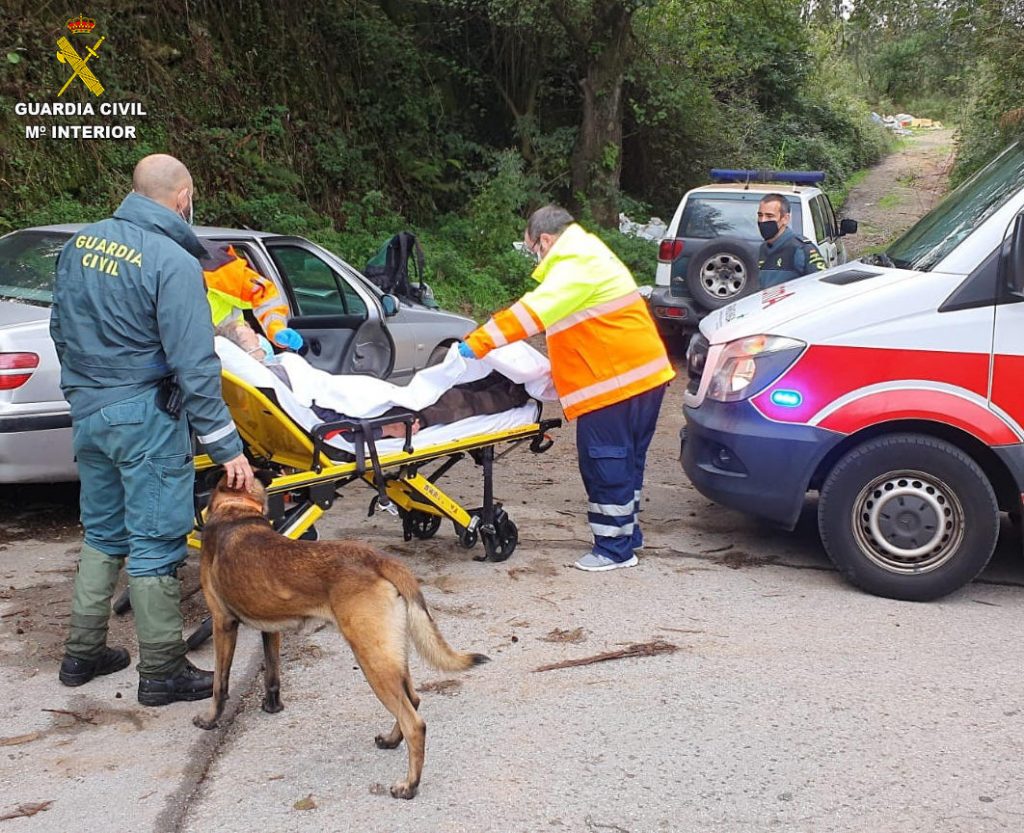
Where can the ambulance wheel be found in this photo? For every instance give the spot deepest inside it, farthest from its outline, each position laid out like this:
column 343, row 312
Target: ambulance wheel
column 720, row 273
column 908, row 516
column 502, row 543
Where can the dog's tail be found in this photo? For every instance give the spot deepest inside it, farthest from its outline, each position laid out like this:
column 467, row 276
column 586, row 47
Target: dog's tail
column 423, row 629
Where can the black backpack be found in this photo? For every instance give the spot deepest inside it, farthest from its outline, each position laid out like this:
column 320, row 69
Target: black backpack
column 394, row 267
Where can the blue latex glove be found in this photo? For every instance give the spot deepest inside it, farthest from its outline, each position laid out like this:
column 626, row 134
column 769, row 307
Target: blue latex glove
column 466, row 351
column 288, row 338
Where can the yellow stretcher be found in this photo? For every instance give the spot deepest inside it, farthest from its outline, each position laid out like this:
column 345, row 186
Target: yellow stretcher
column 308, row 472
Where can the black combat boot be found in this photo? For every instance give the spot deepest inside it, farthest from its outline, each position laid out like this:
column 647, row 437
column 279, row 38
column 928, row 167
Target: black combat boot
column 190, row 683
column 75, row 671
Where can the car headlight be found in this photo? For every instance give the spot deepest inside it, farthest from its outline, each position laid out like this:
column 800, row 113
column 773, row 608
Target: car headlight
column 748, row 365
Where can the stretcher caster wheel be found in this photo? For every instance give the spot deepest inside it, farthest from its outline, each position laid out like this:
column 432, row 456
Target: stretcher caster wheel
column 200, row 634
column 123, row 603
column 417, row 524
column 502, row 543
column 467, row 537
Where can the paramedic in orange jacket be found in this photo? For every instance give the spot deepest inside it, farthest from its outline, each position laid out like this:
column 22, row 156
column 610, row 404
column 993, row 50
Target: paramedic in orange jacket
column 608, row 364
column 231, row 286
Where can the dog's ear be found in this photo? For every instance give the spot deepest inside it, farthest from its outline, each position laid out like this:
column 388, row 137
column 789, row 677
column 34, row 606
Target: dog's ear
column 265, row 476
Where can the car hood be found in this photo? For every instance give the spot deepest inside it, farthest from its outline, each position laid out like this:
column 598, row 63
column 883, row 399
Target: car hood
column 829, row 304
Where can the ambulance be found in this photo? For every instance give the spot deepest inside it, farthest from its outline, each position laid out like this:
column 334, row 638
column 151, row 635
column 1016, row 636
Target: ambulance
column 892, row 386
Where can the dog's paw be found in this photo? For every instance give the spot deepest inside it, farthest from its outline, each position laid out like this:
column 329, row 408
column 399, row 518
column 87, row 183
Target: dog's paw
column 387, row 742
column 272, row 706
column 204, row 723
column 402, row 790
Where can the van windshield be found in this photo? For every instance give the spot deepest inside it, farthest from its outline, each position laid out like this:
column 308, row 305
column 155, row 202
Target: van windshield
column 944, row 227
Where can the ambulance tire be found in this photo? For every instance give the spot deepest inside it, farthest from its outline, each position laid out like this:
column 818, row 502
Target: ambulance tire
column 908, row 516
column 722, row 272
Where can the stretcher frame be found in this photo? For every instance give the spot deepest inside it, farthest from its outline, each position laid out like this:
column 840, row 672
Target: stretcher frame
column 307, row 474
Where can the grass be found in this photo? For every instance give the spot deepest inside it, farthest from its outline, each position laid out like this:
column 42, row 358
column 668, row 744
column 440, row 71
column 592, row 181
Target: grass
column 889, row 201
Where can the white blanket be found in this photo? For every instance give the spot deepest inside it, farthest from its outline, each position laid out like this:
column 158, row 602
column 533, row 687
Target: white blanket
column 362, row 397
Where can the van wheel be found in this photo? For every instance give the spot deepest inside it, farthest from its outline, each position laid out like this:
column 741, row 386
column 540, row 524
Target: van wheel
column 908, row 516
column 720, row 273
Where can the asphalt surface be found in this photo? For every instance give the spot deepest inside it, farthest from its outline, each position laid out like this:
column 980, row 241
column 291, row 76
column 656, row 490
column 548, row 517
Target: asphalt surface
column 791, row 701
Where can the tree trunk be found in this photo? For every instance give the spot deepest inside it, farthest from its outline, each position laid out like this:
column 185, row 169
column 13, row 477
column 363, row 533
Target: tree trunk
column 596, row 162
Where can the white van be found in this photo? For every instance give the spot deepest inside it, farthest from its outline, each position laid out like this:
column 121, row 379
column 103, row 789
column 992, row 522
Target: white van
column 893, row 386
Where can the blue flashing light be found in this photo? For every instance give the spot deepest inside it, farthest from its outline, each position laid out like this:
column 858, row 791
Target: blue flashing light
column 740, row 175
column 787, row 398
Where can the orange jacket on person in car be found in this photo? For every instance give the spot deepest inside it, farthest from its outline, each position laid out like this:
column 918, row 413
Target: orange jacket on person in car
column 603, row 345
column 232, row 286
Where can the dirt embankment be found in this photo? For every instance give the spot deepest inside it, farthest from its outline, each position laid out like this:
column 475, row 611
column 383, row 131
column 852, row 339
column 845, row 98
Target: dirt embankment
column 899, row 190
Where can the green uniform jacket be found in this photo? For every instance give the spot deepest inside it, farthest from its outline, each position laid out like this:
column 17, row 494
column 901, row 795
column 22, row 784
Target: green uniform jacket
column 129, row 308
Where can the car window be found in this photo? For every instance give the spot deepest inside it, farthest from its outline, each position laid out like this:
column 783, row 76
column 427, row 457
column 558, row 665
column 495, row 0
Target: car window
column 316, row 287
column 719, row 215
column 818, row 217
column 830, row 218
column 27, row 263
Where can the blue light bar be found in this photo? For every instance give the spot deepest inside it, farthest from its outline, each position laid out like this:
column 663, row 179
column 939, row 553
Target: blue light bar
column 787, row 398
column 741, row 175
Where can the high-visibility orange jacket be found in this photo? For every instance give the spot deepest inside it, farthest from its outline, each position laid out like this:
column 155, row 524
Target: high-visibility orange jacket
column 603, row 346
column 231, row 286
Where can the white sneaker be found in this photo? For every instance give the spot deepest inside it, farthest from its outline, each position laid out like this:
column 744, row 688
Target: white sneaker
column 593, row 562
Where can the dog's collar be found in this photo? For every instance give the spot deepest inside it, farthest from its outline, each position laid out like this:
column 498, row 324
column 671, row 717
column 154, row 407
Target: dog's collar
column 241, row 500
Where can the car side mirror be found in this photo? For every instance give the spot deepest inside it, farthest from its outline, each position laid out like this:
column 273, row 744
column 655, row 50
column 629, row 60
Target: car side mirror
column 1011, row 259
column 847, row 227
column 390, row 303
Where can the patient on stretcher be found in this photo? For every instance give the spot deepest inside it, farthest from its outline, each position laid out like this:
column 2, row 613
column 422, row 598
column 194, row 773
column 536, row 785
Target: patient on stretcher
column 492, row 394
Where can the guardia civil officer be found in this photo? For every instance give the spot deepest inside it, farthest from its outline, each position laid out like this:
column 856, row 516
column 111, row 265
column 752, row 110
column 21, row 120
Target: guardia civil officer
column 129, row 313
column 608, row 364
column 784, row 255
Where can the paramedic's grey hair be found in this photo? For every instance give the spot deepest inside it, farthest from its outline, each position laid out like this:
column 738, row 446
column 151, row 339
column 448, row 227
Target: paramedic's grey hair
column 551, row 219
column 781, row 200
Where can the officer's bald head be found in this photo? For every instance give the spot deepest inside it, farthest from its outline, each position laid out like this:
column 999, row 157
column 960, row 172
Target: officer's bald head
column 163, row 179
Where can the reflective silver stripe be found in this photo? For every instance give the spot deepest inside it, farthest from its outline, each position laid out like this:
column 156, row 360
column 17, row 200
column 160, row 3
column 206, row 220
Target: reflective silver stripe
column 494, row 331
column 266, row 306
column 636, row 496
column 219, row 434
column 593, row 312
column 524, row 318
column 612, row 510
column 620, row 381
column 608, row 531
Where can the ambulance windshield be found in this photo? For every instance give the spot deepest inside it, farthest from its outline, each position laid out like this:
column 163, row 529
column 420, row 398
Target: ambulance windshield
column 944, row 227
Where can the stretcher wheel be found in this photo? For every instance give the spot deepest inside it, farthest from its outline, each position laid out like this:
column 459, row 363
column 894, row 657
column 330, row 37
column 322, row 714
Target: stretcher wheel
column 200, row 634
column 467, row 537
column 502, row 543
column 419, row 524
column 123, row 603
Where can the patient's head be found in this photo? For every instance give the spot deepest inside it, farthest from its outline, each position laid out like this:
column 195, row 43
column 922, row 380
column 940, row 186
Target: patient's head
column 241, row 334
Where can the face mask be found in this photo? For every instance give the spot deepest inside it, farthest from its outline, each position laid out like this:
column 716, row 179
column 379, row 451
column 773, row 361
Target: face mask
column 768, row 229
column 187, row 219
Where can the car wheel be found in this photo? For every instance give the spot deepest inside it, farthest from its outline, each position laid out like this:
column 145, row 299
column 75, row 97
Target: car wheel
column 720, row 273
column 437, row 354
column 908, row 516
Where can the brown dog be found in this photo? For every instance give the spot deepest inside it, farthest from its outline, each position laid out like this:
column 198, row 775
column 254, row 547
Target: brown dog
column 251, row 574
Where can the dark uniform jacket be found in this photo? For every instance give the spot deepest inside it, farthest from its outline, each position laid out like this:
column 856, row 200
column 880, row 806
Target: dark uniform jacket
column 790, row 256
column 130, row 308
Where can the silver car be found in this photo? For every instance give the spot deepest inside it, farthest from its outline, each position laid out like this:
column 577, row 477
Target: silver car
column 348, row 324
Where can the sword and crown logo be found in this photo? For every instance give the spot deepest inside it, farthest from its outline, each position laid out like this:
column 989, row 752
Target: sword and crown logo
column 79, row 63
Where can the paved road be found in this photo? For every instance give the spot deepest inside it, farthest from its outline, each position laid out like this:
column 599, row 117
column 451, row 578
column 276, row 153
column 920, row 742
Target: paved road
column 791, row 702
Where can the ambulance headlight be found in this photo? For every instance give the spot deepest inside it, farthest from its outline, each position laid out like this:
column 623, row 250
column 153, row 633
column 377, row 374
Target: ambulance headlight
column 748, row 365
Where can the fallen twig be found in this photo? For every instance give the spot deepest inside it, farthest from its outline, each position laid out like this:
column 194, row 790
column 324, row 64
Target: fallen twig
column 19, row 739
column 636, row 649
column 82, row 718
column 14, row 613
column 26, row 810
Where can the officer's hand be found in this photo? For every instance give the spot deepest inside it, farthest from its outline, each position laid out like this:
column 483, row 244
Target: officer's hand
column 288, row 338
column 238, row 473
column 466, row 351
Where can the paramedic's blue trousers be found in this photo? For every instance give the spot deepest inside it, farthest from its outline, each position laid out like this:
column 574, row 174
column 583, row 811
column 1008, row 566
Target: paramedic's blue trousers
column 612, row 444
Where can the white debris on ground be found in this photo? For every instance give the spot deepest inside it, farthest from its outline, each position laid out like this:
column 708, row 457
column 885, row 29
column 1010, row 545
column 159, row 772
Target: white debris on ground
column 903, row 123
column 654, row 229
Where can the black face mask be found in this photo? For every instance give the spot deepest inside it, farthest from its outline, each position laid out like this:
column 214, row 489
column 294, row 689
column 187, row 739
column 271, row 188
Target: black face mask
column 768, row 229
